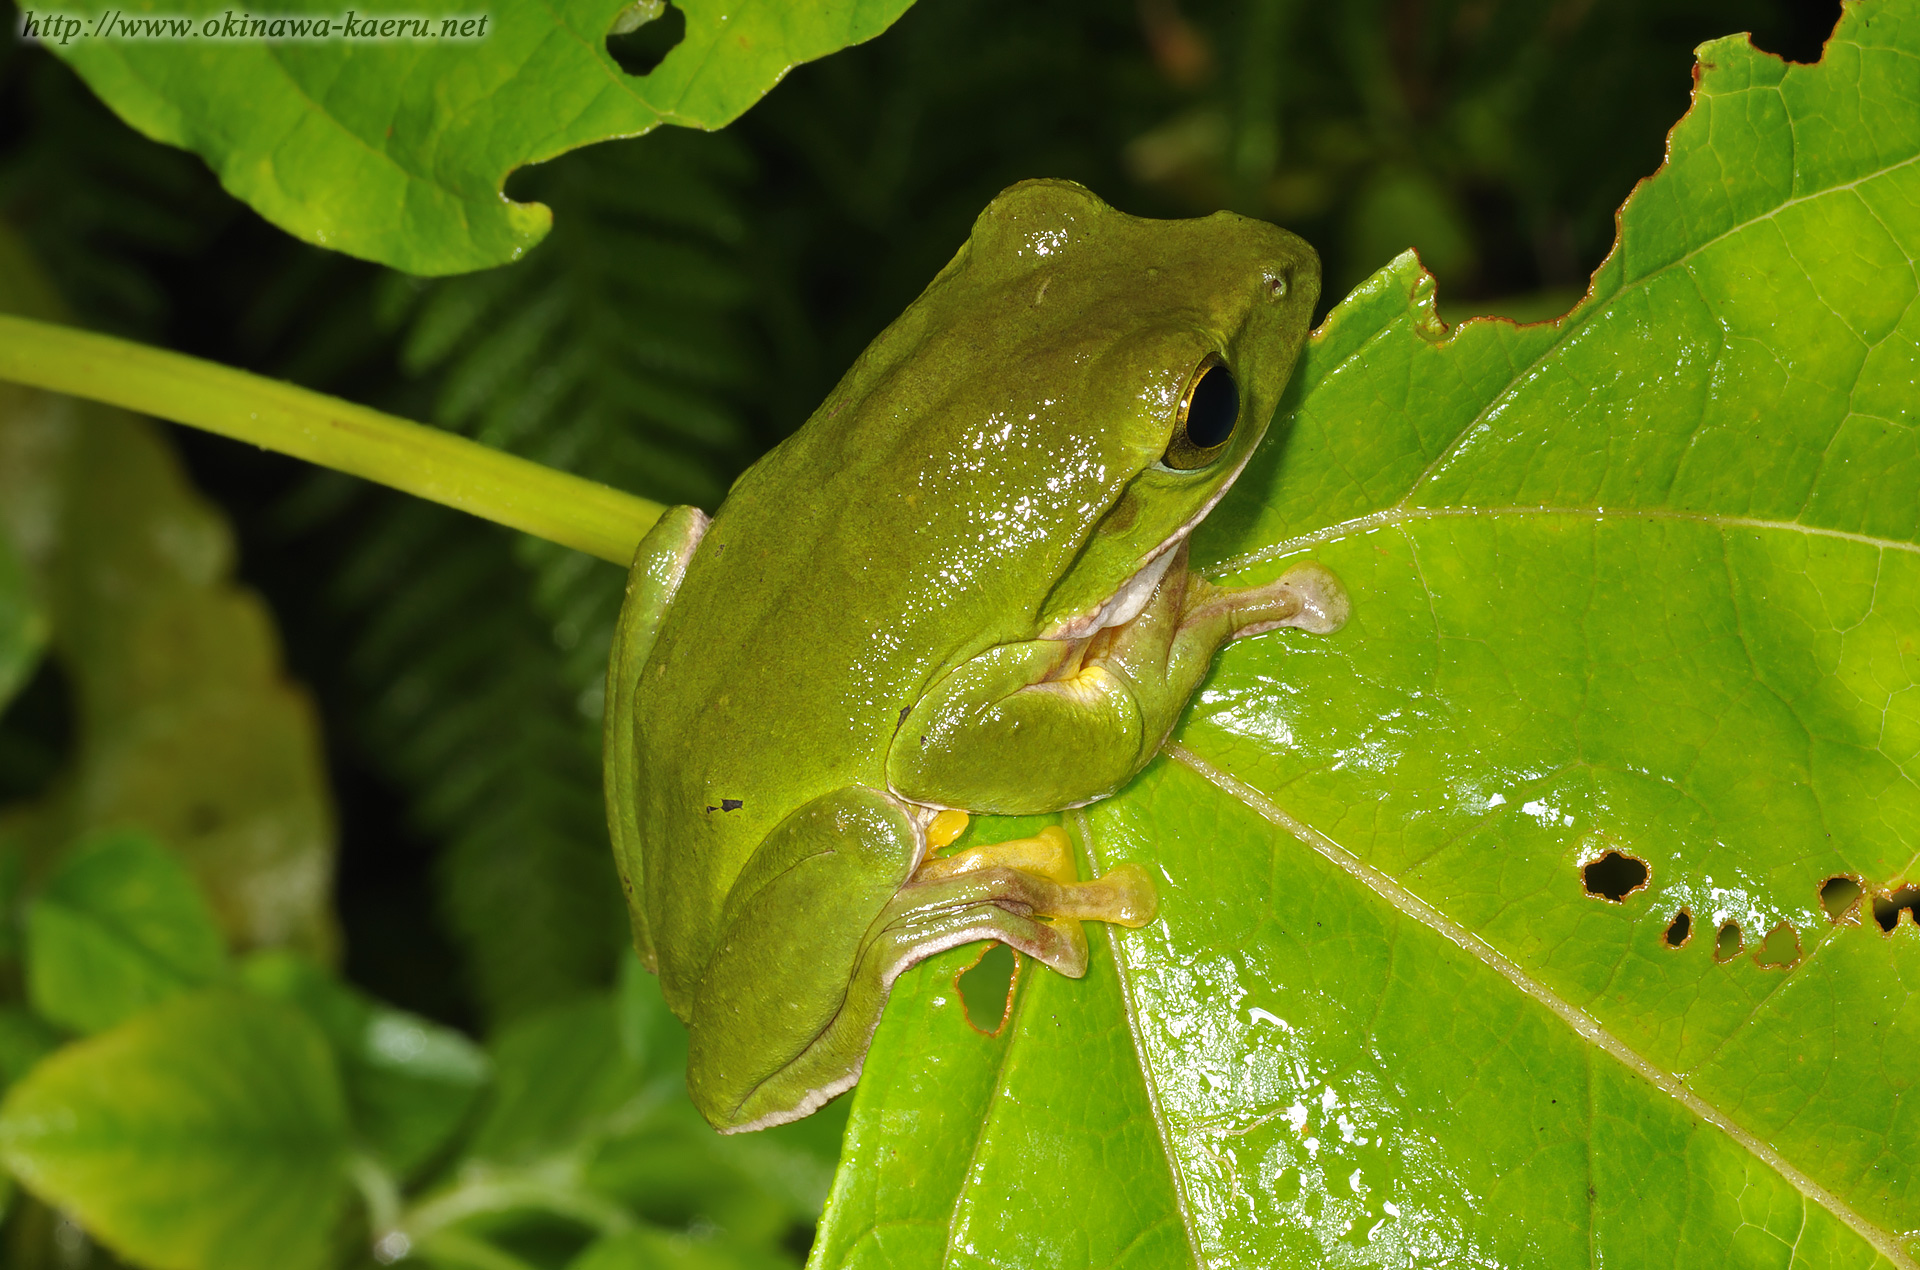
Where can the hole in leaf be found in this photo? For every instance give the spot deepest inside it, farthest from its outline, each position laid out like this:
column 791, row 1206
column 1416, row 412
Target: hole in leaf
column 986, row 989
column 1680, row 929
column 1840, row 896
column 1614, row 876
column 1781, row 947
column 1727, row 944
column 643, row 34
column 1887, row 908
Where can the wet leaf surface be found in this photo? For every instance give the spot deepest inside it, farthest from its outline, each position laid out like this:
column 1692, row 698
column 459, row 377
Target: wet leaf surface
column 1643, row 581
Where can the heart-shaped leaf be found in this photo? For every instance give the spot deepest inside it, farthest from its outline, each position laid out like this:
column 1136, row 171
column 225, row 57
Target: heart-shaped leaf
column 390, row 140
column 1501, row 927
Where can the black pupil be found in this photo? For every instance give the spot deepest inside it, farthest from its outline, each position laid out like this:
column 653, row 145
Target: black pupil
column 1214, row 409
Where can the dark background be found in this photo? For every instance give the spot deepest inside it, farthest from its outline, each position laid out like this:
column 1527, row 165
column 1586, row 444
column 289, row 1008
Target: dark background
column 700, row 292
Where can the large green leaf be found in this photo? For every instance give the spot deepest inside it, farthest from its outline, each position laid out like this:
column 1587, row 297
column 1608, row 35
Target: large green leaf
column 1643, row 581
column 396, row 149
column 206, row 1134
column 186, row 725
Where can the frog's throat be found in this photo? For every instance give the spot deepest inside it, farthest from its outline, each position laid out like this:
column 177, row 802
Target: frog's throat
column 1131, row 596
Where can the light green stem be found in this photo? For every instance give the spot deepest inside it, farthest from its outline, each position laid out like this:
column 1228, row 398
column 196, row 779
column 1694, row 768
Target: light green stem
column 509, row 1190
column 582, row 514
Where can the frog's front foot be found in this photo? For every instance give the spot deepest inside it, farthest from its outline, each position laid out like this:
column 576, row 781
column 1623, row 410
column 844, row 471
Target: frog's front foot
column 1307, row 596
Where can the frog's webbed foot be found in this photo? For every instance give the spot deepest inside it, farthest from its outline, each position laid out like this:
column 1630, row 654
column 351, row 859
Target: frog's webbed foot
column 1034, row 878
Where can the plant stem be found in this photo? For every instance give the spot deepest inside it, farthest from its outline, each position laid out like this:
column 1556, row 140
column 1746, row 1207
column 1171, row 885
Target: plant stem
column 547, row 1189
column 578, row 513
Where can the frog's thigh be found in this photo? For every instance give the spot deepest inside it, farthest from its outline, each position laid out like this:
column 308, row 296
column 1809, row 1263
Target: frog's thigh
column 820, row 924
column 996, row 735
column 922, row 919
column 791, row 936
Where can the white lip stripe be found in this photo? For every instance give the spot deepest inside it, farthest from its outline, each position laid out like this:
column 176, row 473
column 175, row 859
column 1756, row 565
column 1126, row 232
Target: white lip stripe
column 1133, row 596
column 1099, row 619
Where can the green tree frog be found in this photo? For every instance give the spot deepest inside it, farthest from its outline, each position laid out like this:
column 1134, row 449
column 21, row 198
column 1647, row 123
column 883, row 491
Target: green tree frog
column 961, row 587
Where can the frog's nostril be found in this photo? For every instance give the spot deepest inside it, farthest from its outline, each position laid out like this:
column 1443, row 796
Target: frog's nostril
column 1277, row 286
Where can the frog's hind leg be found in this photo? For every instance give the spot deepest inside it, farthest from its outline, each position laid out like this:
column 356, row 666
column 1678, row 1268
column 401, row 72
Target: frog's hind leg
column 788, row 941
column 822, row 922
column 1124, row 896
column 924, row 919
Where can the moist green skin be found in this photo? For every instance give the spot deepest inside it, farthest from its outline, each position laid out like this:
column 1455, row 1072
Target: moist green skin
column 878, row 622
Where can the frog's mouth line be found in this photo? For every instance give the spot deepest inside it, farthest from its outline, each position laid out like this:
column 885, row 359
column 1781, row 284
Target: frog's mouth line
column 1131, row 596
column 1126, row 603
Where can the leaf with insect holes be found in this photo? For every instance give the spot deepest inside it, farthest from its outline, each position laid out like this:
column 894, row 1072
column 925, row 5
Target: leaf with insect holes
column 1497, row 928
column 392, row 141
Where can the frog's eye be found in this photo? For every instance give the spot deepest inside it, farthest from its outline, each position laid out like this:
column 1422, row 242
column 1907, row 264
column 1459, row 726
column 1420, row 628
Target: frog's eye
column 1208, row 412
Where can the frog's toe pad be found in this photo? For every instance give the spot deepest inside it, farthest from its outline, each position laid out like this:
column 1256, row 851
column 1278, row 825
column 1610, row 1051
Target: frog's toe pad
column 1135, row 902
column 1324, row 606
column 1307, row 596
column 1124, row 896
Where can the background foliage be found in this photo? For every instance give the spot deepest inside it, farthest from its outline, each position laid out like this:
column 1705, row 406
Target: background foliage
column 698, row 293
